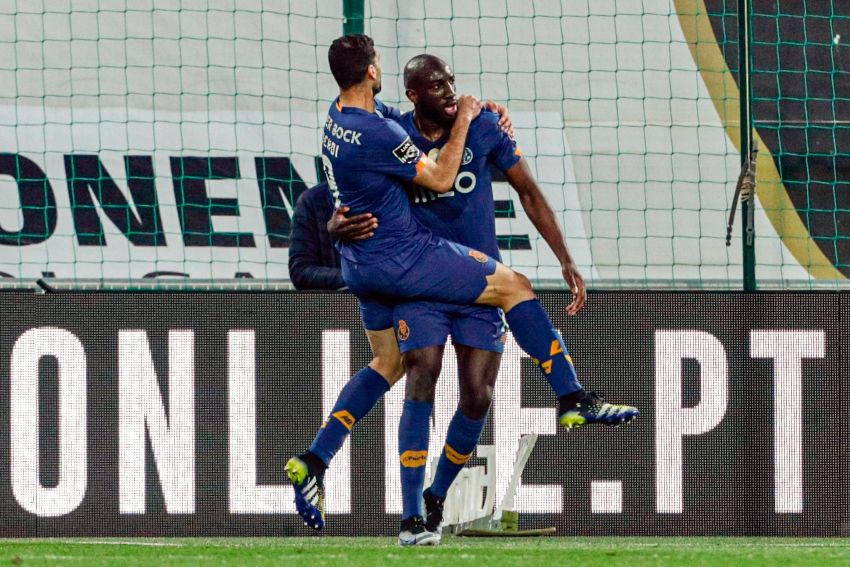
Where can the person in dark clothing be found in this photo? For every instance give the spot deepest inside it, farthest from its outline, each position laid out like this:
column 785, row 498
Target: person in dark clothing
column 313, row 259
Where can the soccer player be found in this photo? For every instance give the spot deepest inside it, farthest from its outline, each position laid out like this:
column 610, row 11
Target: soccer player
column 366, row 159
column 466, row 215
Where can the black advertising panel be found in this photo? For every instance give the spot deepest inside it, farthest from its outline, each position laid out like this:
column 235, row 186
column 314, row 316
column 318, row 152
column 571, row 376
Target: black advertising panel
column 173, row 414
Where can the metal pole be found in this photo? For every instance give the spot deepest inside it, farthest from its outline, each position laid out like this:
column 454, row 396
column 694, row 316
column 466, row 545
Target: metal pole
column 352, row 16
column 747, row 201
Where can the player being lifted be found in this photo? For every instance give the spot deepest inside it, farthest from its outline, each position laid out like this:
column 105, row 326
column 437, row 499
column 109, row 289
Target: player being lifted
column 366, row 159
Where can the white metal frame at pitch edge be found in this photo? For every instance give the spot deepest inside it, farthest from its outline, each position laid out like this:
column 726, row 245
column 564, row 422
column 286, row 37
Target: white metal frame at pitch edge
column 469, row 508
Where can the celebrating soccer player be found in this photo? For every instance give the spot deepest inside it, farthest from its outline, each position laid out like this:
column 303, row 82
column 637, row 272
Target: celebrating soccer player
column 466, row 215
column 366, row 159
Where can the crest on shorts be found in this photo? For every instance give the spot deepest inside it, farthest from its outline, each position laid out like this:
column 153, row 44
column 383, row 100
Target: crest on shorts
column 403, row 330
column 479, row 256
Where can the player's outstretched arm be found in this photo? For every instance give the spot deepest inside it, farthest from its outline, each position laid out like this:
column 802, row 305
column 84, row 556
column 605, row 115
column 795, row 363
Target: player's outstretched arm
column 439, row 175
column 543, row 218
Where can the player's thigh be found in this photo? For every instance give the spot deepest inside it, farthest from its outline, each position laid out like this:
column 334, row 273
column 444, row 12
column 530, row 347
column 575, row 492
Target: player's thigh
column 480, row 327
column 422, row 329
column 376, row 313
column 453, row 273
column 422, row 324
column 386, row 359
column 422, row 367
column 377, row 316
column 444, row 272
column 478, row 370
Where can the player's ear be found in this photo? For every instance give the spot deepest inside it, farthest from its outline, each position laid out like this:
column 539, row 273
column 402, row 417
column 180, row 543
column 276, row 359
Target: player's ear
column 411, row 95
column 372, row 72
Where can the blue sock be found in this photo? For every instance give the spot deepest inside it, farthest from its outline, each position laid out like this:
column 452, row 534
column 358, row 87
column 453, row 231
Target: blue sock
column 413, row 432
column 461, row 439
column 535, row 334
column 357, row 398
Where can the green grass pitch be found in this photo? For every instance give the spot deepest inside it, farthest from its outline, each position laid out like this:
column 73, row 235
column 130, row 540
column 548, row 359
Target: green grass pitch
column 353, row 552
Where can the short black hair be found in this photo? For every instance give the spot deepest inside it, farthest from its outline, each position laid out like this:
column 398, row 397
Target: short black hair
column 419, row 62
column 349, row 57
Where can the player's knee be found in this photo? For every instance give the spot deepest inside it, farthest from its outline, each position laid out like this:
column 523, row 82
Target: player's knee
column 517, row 288
column 477, row 405
column 522, row 283
column 420, row 388
column 389, row 366
column 422, row 377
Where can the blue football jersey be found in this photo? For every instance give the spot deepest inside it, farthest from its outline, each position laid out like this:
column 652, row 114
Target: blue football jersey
column 367, row 157
column 387, row 111
column 466, row 214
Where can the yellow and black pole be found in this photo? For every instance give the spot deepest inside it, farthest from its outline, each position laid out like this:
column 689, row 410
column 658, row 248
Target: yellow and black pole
column 748, row 191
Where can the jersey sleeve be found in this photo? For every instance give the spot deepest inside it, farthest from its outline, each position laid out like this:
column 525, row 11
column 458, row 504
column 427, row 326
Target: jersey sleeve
column 390, row 112
column 504, row 152
column 394, row 153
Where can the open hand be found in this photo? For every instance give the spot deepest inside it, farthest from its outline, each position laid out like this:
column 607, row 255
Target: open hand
column 577, row 286
column 505, row 122
column 358, row 227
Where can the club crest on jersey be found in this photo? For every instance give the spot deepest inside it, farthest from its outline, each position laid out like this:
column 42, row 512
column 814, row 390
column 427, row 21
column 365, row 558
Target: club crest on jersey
column 403, row 330
column 467, row 156
column 478, row 256
column 406, row 152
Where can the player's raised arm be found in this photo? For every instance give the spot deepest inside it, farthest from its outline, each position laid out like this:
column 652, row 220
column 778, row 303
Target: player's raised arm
column 543, row 218
column 439, row 175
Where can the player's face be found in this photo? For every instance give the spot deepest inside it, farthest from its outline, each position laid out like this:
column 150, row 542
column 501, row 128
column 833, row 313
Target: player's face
column 376, row 87
column 436, row 96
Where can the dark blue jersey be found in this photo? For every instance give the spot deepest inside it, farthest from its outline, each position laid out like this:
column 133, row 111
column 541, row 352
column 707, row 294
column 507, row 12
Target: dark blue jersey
column 466, row 214
column 367, row 158
column 387, row 111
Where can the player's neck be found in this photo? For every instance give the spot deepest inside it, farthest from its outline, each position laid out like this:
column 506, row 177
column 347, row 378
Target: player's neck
column 428, row 128
column 358, row 96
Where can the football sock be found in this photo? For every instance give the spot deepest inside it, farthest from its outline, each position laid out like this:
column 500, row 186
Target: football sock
column 315, row 465
column 355, row 400
column 535, row 334
column 568, row 402
column 461, row 439
column 413, row 432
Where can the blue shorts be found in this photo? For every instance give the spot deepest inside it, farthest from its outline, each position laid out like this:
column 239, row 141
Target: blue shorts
column 425, row 324
column 443, row 271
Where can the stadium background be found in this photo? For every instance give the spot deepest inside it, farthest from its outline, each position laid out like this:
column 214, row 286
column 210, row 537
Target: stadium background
column 141, row 140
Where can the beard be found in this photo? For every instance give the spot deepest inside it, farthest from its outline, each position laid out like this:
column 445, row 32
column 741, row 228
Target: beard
column 438, row 116
column 376, row 88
